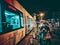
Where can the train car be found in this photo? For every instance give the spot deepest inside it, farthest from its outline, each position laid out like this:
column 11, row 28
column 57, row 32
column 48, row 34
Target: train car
column 15, row 22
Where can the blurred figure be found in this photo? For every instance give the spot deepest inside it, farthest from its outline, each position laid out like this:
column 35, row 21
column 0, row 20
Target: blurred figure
column 51, row 26
column 48, row 38
column 41, row 24
column 44, row 31
column 46, row 26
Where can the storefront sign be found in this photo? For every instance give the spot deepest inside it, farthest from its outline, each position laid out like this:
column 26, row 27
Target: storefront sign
column 12, row 8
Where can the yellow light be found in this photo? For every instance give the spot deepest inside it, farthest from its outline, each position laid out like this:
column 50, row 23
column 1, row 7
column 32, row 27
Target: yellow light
column 42, row 14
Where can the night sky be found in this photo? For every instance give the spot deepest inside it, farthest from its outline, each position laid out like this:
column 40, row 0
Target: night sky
column 34, row 6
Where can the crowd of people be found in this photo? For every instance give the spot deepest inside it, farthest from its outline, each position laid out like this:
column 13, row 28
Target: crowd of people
column 46, row 31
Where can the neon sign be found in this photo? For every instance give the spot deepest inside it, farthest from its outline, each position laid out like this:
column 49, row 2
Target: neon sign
column 8, row 1
column 12, row 8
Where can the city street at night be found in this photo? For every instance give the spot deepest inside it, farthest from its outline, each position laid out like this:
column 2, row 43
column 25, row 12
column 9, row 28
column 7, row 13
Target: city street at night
column 29, row 22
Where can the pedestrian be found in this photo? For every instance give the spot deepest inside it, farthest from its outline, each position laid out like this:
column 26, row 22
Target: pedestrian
column 45, row 29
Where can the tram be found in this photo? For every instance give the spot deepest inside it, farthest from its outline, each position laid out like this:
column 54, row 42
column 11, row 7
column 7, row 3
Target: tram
column 15, row 22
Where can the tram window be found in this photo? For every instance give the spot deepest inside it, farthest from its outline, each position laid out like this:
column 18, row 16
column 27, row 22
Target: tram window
column 0, row 20
column 22, row 20
column 29, row 23
column 12, row 20
column 32, row 24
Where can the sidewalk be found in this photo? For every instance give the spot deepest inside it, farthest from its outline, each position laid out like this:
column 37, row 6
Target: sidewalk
column 29, row 41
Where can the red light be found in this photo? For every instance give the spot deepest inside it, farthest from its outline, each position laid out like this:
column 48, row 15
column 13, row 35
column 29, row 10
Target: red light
column 12, row 8
column 8, row 1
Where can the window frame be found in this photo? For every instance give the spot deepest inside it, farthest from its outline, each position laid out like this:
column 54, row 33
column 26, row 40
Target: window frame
column 5, row 7
column 21, row 15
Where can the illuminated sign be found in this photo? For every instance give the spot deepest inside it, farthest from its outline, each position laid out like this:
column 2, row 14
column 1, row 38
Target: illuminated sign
column 12, row 8
column 8, row 1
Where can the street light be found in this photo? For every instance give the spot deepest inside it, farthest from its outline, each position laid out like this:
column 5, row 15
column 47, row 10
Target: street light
column 42, row 15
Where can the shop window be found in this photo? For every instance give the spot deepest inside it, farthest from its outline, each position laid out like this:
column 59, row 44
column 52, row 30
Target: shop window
column 12, row 20
column 22, row 20
column 0, row 20
column 29, row 24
